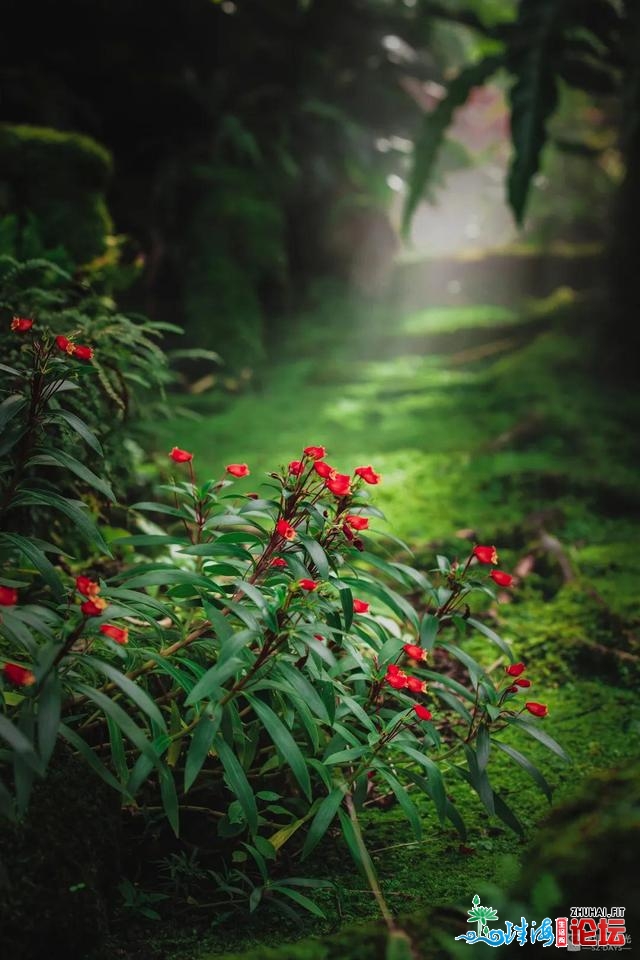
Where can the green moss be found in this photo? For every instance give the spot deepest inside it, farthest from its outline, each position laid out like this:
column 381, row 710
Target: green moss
column 60, row 180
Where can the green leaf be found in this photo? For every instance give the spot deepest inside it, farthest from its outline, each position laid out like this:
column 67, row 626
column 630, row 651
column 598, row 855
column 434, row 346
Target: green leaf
column 403, row 799
column 492, row 635
column 223, row 629
column 10, row 408
column 135, row 693
column 169, row 799
column 238, row 783
column 283, row 742
column 58, row 458
column 346, row 599
column 75, row 510
column 19, row 743
column 483, row 747
column 433, row 130
column 201, row 743
column 526, row 764
column 81, row 429
column 506, row 814
column 542, row 736
column 299, row 898
column 49, row 710
column 91, row 759
column 428, row 630
column 304, row 689
column 39, row 560
column 436, row 783
column 322, row 820
column 534, row 61
column 316, row 554
column 130, row 729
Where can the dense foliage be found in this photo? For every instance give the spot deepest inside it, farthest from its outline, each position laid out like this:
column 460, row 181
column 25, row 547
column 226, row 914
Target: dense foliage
column 255, row 654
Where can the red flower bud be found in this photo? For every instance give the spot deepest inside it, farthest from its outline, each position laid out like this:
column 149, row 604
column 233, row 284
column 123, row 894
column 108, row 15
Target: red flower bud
column 523, row 682
column 368, row 474
column 119, row 634
column 358, row 544
column 278, row 562
column 87, row 587
column 309, row 585
column 415, row 685
column 359, row 606
column 415, row 652
column 8, row 596
column 537, row 709
column 515, row 669
column 18, row 676
column 339, row 484
column 422, row 712
column 501, row 578
column 397, row 680
column 513, row 689
column 93, row 607
column 393, row 668
column 21, row 324
column 296, row 467
column 238, row 469
column 64, row 344
column 356, row 522
column 82, row 352
column 486, row 554
column 285, row 530
column 180, row 456
column 316, row 453
column 323, row 469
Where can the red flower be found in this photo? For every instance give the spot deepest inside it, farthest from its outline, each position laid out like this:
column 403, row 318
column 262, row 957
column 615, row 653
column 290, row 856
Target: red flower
column 513, row 689
column 21, row 324
column 501, row 578
column 368, row 474
column 238, row 469
column 82, row 352
column 415, row 685
column 316, row 453
column 359, row 606
column 93, row 607
column 309, row 585
column 180, row 456
column 87, row 587
column 8, row 596
column 323, row 469
column 415, row 652
column 356, row 522
column 537, row 709
column 296, row 467
column 486, row 554
column 64, row 344
column 523, row 682
column 339, row 484
column 119, row 634
column 422, row 712
column 18, row 676
column 393, row 668
column 515, row 669
column 397, row 679
column 278, row 562
column 285, row 530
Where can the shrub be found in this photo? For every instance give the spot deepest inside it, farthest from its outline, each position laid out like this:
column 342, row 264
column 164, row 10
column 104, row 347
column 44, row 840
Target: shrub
column 60, row 179
column 256, row 655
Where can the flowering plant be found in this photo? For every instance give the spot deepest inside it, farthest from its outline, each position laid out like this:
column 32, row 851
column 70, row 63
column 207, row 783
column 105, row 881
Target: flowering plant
column 256, row 651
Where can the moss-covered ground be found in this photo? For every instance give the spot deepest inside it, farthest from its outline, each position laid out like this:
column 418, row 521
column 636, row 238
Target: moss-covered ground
column 483, row 419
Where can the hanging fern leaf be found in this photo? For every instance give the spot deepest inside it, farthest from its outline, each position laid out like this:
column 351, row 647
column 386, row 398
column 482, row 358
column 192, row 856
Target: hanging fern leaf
column 434, row 127
column 535, row 61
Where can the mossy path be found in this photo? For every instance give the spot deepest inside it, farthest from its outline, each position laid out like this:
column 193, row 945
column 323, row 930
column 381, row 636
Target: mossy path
column 483, row 418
